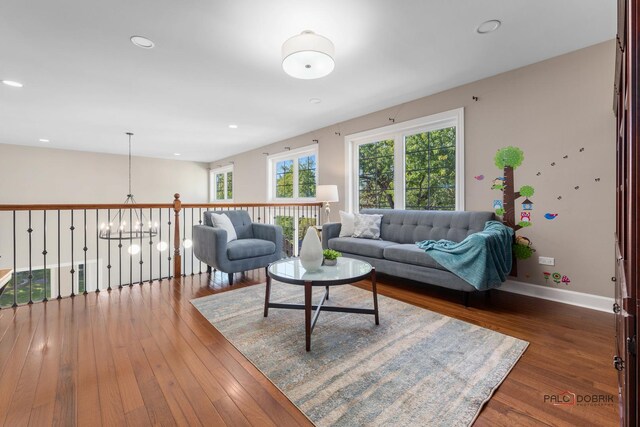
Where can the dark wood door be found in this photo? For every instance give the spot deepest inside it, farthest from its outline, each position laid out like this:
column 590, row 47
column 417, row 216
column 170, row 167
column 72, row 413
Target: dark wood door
column 626, row 108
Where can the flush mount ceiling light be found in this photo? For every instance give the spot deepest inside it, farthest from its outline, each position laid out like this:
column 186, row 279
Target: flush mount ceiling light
column 142, row 42
column 488, row 26
column 12, row 83
column 308, row 56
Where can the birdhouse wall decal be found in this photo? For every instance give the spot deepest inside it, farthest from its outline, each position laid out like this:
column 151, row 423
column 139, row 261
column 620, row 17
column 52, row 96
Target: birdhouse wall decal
column 527, row 205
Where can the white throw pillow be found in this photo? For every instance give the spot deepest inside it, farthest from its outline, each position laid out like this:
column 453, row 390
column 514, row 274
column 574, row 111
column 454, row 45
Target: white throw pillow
column 347, row 219
column 223, row 221
column 367, row 226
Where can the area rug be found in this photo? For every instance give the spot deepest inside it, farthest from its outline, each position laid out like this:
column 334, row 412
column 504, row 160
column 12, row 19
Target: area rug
column 417, row 368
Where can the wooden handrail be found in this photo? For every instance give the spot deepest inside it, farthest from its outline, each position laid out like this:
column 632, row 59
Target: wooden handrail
column 68, row 207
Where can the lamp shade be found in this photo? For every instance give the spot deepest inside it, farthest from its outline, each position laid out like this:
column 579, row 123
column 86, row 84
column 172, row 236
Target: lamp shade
column 308, row 56
column 327, row 193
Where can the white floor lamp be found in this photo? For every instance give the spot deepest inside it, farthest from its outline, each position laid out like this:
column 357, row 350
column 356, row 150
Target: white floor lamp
column 327, row 194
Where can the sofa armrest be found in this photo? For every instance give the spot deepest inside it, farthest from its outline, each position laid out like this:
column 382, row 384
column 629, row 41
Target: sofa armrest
column 273, row 233
column 330, row 230
column 210, row 245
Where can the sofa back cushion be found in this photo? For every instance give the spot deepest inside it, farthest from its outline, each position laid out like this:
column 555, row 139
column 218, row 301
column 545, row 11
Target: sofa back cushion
column 240, row 219
column 403, row 226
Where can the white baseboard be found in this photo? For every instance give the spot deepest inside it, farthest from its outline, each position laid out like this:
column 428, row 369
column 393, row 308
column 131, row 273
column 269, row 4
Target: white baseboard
column 594, row 302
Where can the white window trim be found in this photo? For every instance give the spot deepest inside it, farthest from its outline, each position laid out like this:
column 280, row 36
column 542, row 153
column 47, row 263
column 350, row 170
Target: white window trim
column 290, row 155
column 212, row 184
column 397, row 132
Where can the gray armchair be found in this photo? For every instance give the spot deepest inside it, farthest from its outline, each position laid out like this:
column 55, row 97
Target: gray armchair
column 257, row 245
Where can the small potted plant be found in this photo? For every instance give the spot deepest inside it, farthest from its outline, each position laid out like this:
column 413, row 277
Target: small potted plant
column 330, row 256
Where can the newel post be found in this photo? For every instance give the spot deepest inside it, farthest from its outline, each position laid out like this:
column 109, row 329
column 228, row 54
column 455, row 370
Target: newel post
column 177, row 241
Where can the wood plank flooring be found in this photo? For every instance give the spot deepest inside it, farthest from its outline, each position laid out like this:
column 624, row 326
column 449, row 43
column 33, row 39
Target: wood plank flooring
column 143, row 355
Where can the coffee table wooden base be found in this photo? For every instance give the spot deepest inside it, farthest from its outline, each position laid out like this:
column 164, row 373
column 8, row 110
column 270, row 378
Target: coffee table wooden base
column 308, row 307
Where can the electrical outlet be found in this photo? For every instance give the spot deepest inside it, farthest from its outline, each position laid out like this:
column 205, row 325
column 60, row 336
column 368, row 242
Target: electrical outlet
column 546, row 260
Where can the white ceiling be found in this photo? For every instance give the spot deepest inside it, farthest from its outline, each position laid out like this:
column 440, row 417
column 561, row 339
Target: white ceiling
column 218, row 62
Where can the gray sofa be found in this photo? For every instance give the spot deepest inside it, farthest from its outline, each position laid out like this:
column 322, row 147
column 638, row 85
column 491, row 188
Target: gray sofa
column 396, row 252
column 257, row 245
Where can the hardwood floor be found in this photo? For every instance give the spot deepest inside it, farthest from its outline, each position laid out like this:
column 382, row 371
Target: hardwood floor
column 145, row 356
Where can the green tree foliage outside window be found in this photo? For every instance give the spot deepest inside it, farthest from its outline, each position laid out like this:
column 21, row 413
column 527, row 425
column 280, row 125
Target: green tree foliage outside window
column 229, row 185
column 375, row 175
column 219, row 186
column 307, row 176
column 430, row 170
column 284, row 179
column 38, row 288
column 288, row 230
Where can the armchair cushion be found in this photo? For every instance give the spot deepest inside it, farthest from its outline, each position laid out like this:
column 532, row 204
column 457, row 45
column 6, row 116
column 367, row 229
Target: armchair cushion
column 249, row 248
column 223, row 221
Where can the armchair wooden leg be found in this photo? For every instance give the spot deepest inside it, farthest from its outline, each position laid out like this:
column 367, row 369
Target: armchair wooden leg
column 209, row 269
column 465, row 298
column 230, row 279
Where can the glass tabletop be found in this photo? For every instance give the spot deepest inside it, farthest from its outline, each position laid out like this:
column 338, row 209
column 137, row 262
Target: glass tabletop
column 347, row 270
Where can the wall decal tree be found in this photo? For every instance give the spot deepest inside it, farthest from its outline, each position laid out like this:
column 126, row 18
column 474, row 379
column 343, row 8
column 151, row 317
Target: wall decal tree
column 508, row 159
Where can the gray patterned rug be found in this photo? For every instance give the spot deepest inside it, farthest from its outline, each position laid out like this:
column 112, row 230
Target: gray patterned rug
column 418, row 368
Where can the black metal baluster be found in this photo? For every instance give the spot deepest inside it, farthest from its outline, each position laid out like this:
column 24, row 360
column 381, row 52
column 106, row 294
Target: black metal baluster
column 109, row 251
column 73, row 271
column 140, row 259
column 192, row 241
column 59, row 258
column 97, row 253
column 130, row 244
column 184, row 237
column 15, row 270
column 85, row 249
column 44, row 256
column 150, row 246
column 120, row 247
column 160, row 240
column 199, row 223
column 30, row 230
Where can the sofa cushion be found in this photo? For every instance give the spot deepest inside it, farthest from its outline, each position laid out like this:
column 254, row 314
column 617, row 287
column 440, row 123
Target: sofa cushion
column 367, row 226
column 410, row 253
column 249, row 248
column 363, row 247
column 403, row 226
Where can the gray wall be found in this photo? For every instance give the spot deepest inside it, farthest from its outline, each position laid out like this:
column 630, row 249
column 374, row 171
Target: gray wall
column 550, row 110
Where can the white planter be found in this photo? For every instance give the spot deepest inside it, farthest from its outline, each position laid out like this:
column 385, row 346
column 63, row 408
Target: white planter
column 311, row 251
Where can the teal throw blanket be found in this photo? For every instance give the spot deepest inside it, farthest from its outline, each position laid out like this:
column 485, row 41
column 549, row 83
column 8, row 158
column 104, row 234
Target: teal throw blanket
column 483, row 259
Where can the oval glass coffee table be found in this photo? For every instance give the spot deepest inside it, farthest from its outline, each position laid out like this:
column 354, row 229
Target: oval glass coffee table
column 348, row 270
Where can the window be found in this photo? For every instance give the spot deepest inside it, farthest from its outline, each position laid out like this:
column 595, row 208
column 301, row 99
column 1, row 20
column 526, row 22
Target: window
column 222, row 184
column 293, row 174
column 417, row 164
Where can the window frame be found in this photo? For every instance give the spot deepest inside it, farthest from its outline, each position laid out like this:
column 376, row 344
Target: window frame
column 398, row 132
column 293, row 155
column 212, row 184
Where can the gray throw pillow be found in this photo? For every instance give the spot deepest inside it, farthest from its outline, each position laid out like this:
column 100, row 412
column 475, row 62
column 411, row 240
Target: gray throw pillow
column 367, row 226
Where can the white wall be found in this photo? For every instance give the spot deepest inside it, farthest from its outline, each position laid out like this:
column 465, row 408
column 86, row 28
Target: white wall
column 44, row 175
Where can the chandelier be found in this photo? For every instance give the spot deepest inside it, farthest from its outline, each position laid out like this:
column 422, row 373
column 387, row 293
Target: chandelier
column 137, row 227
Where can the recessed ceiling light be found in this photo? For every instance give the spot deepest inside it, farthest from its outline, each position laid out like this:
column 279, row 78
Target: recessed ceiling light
column 43, row 140
column 12, row 83
column 142, row 42
column 177, row 154
column 232, row 126
column 315, row 100
column 488, row 26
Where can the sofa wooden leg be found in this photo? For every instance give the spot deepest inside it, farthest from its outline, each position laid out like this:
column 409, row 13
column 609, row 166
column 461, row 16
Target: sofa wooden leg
column 230, row 279
column 465, row 298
